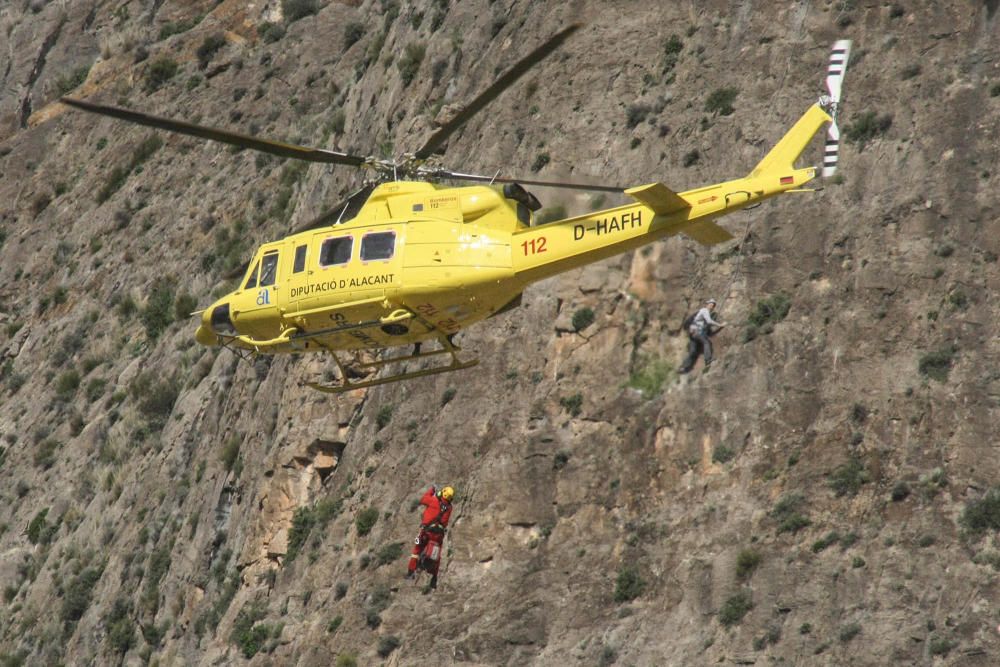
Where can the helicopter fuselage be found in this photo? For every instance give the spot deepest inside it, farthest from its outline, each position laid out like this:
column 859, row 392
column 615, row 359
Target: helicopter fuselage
column 420, row 262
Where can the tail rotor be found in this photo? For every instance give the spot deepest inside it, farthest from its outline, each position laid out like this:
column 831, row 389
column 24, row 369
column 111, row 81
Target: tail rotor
column 834, row 83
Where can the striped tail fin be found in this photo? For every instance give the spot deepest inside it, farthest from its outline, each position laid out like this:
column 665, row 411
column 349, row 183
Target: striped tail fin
column 839, row 58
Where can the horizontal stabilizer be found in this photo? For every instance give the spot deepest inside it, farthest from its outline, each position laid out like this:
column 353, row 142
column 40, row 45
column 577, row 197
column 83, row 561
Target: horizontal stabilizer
column 707, row 233
column 659, row 197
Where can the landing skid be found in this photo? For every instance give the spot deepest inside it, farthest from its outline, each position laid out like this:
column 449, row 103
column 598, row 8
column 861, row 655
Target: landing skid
column 346, row 385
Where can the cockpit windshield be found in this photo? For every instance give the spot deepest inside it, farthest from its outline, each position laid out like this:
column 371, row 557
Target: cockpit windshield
column 252, row 278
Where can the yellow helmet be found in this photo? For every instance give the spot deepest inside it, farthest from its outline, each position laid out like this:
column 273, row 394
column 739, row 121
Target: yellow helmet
column 447, row 493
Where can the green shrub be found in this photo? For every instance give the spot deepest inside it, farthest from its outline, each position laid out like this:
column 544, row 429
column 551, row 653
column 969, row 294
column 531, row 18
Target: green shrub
column 735, row 608
column 184, row 306
column 672, row 48
column 38, row 526
column 230, row 451
column 941, row 645
column 159, row 72
column 541, row 160
column 157, row 566
column 178, row 27
column 335, row 624
column 958, row 300
column 387, row 645
column 635, row 114
column 937, row 364
column 305, row 519
column 910, row 71
column 353, row 32
column 982, row 514
column 346, row 660
column 155, row 398
column 67, row 384
column 691, row 158
column 293, row 10
column 849, row 632
column 383, row 417
column 253, row 641
column 721, row 101
column 409, row 62
column 76, row 598
column 302, row 522
column 629, row 584
column 157, row 315
column 847, row 479
column 866, row 127
column 117, row 177
column 121, row 628
column 723, row 454
column 650, row 376
column 746, row 562
column 378, row 601
column 244, row 634
column 786, row 513
column 572, row 404
column 73, row 80
column 270, row 32
column 830, row 538
column 45, row 455
column 338, row 119
column 766, row 314
column 366, row 520
column 582, row 319
column 932, row 482
column 448, row 395
column 209, row 47
column 389, row 552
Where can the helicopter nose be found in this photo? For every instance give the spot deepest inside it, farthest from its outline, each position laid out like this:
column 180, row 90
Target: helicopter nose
column 205, row 336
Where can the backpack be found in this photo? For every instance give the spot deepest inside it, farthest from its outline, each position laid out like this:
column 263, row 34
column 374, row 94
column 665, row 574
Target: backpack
column 688, row 322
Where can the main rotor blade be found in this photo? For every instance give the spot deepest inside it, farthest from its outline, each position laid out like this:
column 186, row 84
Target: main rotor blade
column 344, row 211
column 444, row 173
column 488, row 95
column 278, row 148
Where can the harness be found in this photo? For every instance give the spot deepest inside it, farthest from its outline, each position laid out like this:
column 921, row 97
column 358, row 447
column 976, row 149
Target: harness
column 434, row 525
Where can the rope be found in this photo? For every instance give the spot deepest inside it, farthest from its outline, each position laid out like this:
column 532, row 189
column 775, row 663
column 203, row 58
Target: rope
column 739, row 264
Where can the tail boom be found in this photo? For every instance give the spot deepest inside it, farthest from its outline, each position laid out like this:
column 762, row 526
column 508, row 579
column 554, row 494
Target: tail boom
column 541, row 252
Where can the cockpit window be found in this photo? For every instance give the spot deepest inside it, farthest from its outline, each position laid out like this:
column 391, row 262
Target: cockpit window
column 336, row 251
column 252, row 279
column 376, row 246
column 268, row 269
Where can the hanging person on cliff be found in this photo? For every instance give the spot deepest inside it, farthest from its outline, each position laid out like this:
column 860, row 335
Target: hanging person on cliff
column 700, row 328
column 430, row 541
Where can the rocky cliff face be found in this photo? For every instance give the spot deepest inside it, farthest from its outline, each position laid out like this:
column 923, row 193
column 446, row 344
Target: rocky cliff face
column 820, row 496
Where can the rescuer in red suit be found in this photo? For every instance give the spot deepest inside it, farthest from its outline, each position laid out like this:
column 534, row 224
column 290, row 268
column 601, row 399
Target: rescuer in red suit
column 433, row 525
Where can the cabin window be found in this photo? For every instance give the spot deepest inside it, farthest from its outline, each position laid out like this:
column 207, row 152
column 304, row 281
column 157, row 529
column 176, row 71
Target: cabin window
column 268, row 269
column 336, row 251
column 252, row 278
column 378, row 246
column 300, row 259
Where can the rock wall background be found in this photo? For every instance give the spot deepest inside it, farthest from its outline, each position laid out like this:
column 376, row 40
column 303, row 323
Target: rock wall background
column 819, row 478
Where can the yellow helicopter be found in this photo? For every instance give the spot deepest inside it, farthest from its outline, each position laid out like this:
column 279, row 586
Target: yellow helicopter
column 405, row 260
